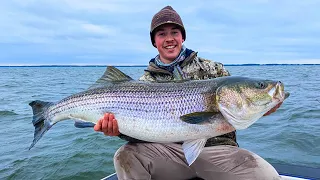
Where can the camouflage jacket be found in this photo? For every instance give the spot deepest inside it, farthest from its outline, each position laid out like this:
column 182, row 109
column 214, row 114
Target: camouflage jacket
column 193, row 67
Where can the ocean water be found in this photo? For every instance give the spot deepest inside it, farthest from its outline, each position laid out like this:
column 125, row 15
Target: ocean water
column 289, row 136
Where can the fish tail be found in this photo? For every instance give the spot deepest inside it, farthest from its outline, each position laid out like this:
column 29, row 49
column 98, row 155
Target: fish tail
column 39, row 121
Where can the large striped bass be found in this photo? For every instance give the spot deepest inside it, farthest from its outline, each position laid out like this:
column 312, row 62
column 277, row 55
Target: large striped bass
column 189, row 111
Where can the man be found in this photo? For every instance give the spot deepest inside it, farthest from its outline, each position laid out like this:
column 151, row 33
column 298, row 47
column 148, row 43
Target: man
column 221, row 158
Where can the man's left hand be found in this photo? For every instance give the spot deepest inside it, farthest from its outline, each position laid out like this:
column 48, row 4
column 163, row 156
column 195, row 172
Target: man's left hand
column 273, row 109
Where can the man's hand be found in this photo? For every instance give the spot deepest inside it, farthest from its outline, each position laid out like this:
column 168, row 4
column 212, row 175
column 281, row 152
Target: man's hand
column 108, row 125
column 273, row 109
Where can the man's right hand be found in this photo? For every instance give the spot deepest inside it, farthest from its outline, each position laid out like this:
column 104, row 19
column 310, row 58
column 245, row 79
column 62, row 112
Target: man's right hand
column 108, row 125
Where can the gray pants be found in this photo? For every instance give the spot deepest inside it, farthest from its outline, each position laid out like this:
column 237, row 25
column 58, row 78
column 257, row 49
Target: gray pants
column 146, row 161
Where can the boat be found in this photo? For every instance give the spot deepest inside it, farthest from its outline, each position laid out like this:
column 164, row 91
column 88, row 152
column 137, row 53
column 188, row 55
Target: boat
column 287, row 172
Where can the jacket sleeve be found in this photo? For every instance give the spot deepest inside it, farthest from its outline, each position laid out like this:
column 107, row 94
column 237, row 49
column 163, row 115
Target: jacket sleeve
column 216, row 69
column 221, row 70
column 147, row 77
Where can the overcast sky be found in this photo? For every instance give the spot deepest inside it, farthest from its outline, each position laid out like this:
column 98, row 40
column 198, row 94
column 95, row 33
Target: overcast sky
column 116, row 32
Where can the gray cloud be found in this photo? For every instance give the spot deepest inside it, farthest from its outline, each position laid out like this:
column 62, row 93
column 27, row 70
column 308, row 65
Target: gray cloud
column 105, row 32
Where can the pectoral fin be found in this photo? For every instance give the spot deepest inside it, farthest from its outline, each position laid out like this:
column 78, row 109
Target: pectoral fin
column 197, row 117
column 81, row 123
column 192, row 149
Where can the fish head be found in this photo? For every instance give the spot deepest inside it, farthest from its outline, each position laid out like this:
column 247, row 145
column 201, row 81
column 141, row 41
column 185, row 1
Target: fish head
column 242, row 101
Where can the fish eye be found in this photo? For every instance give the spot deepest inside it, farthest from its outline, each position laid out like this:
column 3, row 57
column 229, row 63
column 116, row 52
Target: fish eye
column 261, row 85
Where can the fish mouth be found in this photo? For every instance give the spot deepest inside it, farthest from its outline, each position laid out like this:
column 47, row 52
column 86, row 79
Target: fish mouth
column 277, row 92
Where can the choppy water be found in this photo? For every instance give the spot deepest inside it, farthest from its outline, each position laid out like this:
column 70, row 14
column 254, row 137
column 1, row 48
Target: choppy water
column 290, row 136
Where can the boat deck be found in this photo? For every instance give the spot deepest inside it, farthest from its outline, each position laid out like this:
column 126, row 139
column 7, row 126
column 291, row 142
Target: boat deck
column 288, row 172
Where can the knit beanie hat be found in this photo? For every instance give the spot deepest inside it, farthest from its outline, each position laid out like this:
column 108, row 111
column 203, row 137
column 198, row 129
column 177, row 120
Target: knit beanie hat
column 166, row 15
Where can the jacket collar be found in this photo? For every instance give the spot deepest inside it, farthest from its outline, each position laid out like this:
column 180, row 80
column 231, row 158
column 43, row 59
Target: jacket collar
column 153, row 68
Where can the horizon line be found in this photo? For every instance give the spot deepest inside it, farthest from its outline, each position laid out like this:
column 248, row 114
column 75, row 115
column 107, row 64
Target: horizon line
column 104, row 65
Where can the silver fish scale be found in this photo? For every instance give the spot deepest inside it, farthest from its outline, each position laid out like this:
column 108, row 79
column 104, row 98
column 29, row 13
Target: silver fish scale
column 151, row 109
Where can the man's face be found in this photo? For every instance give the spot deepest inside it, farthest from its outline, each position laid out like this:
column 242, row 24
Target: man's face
column 168, row 41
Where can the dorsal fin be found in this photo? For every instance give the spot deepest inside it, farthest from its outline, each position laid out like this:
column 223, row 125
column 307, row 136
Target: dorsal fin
column 111, row 75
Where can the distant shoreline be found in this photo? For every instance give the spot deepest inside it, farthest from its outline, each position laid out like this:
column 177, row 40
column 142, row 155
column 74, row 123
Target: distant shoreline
column 146, row 65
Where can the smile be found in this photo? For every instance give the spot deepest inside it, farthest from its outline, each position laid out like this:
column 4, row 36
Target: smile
column 170, row 47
